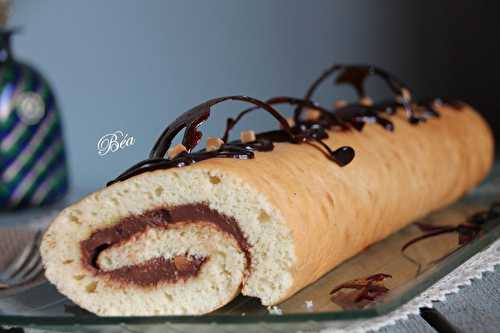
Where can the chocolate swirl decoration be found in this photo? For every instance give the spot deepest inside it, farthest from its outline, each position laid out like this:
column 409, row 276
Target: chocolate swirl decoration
column 190, row 121
column 360, row 291
column 467, row 231
column 353, row 115
column 356, row 75
column 193, row 118
column 305, row 129
column 358, row 114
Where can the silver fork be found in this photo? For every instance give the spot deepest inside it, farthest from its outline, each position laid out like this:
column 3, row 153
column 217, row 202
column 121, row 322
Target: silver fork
column 26, row 267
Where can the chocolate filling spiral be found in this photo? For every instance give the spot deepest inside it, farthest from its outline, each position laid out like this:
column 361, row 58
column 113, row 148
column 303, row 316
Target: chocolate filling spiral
column 158, row 269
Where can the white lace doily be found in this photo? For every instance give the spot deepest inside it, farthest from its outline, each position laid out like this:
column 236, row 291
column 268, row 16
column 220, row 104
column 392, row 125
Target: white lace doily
column 462, row 276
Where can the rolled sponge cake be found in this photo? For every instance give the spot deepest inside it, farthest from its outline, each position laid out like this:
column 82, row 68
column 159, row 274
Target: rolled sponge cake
column 188, row 240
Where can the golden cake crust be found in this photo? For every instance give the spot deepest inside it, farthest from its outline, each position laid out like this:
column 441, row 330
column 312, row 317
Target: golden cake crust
column 395, row 178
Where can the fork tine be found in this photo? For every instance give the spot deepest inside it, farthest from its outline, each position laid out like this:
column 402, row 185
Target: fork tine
column 30, row 264
column 19, row 261
column 33, row 250
column 33, row 246
column 34, row 272
column 33, row 261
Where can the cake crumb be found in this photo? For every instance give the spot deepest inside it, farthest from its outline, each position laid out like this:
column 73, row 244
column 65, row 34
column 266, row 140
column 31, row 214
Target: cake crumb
column 311, row 114
column 247, row 136
column 366, row 101
column 214, row 144
column 181, row 263
column 406, row 94
column 176, row 150
column 340, row 103
column 274, row 310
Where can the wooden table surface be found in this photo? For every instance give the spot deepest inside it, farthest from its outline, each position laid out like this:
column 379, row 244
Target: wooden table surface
column 476, row 308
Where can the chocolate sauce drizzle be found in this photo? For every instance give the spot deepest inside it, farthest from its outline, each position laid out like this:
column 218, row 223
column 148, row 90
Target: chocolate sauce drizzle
column 356, row 75
column 467, row 231
column 363, row 291
column 352, row 116
column 305, row 130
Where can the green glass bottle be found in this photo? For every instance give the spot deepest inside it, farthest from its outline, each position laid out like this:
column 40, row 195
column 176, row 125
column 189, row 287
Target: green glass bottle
column 33, row 167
